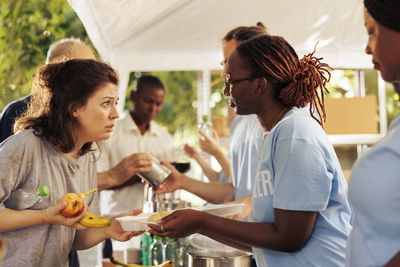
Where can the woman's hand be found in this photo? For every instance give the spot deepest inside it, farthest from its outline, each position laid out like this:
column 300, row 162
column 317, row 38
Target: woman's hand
column 53, row 216
column 209, row 145
column 173, row 182
column 115, row 230
column 180, row 223
column 191, row 151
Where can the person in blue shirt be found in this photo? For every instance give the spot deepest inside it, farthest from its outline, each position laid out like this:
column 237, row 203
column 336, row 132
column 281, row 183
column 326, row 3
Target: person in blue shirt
column 374, row 181
column 246, row 137
column 301, row 215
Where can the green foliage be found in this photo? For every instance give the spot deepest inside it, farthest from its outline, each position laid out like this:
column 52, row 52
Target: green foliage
column 341, row 84
column 218, row 102
column 27, row 29
column 178, row 113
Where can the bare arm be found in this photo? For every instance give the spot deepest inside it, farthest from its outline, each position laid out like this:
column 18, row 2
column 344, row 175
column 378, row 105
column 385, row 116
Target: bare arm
column 13, row 219
column 123, row 171
column 288, row 233
column 17, row 219
column 228, row 242
column 225, row 163
column 212, row 147
column 214, row 192
column 394, row 262
column 211, row 174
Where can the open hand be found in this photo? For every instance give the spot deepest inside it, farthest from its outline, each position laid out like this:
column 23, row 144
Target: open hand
column 115, row 230
column 191, row 151
column 209, row 144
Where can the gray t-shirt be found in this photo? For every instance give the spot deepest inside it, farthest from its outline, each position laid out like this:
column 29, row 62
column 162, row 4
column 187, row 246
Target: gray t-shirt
column 28, row 161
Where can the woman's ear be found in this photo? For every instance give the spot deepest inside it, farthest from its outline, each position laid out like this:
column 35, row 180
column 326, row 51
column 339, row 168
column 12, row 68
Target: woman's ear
column 73, row 110
column 262, row 85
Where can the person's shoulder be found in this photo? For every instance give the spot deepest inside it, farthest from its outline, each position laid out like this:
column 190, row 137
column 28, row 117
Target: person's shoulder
column 298, row 123
column 23, row 142
column 26, row 136
column 16, row 106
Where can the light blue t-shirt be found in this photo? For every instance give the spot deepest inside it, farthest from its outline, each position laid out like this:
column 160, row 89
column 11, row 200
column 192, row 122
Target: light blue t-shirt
column 299, row 170
column 246, row 138
column 374, row 191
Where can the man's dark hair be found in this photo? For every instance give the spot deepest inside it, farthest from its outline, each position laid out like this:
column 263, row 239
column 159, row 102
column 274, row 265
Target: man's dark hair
column 148, row 82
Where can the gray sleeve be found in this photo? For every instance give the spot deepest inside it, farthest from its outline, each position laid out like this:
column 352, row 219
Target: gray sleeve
column 14, row 166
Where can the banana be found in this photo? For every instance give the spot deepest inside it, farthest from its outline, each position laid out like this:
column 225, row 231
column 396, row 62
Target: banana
column 94, row 221
column 117, row 262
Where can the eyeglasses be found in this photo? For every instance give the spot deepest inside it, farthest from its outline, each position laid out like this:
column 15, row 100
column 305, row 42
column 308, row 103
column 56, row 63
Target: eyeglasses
column 229, row 82
column 223, row 62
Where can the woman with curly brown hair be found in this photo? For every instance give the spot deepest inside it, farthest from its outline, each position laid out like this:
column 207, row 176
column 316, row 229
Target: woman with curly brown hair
column 73, row 106
column 300, row 213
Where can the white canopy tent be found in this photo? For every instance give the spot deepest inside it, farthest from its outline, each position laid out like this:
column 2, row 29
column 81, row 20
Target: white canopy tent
column 146, row 35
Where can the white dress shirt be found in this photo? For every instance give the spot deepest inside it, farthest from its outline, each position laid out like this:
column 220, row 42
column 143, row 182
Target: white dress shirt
column 125, row 140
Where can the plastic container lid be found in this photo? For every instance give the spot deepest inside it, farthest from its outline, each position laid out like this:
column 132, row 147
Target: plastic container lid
column 43, row 190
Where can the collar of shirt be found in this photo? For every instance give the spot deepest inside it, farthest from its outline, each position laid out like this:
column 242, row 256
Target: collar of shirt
column 130, row 125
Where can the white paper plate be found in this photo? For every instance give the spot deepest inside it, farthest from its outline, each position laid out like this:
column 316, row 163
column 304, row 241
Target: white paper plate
column 139, row 222
column 222, row 210
column 135, row 223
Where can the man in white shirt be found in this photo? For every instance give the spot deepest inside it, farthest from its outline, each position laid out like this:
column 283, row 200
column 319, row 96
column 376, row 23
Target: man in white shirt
column 135, row 132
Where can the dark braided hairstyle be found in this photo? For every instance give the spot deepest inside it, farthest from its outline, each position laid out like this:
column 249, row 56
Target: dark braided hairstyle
column 244, row 33
column 297, row 82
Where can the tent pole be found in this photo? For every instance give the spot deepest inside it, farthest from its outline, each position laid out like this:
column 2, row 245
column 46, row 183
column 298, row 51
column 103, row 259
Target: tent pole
column 123, row 86
column 203, row 94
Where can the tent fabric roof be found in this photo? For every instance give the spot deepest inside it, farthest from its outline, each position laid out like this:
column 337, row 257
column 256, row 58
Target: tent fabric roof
column 147, row 35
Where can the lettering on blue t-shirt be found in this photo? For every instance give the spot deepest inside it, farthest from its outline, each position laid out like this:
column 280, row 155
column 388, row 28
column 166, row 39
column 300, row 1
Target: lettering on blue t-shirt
column 264, row 185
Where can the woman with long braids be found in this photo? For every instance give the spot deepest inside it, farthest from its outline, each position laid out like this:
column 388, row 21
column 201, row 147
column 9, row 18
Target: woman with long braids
column 374, row 187
column 300, row 212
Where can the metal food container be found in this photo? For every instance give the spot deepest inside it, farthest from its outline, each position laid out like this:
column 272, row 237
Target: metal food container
column 209, row 258
column 157, row 174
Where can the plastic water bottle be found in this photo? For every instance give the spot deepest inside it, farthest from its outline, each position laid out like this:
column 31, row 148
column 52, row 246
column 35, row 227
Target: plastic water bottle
column 25, row 198
column 206, row 126
column 170, row 250
column 147, row 240
column 157, row 251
